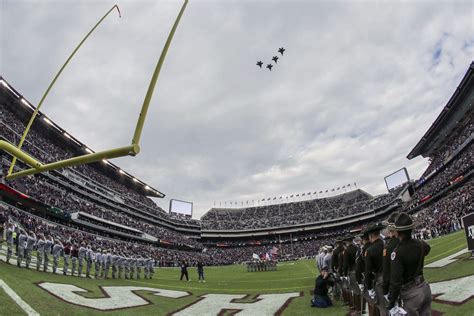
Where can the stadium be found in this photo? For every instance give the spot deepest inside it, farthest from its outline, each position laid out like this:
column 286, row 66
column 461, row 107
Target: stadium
column 81, row 235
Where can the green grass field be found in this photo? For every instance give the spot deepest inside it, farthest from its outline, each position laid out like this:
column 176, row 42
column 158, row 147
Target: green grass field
column 291, row 277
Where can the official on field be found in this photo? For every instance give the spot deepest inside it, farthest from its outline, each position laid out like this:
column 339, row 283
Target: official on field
column 406, row 278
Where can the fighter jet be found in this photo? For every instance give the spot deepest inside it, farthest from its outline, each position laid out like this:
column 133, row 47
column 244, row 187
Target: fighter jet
column 270, row 66
column 275, row 59
column 281, row 50
column 259, row 63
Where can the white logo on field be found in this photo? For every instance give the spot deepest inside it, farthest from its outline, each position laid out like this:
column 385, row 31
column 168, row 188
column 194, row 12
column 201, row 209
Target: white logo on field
column 116, row 297
column 454, row 291
column 216, row 304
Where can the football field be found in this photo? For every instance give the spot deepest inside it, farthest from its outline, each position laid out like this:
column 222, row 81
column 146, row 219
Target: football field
column 228, row 290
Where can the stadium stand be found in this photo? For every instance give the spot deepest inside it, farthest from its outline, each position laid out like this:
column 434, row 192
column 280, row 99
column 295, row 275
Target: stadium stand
column 91, row 204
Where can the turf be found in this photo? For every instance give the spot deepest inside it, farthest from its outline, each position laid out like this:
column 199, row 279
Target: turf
column 295, row 276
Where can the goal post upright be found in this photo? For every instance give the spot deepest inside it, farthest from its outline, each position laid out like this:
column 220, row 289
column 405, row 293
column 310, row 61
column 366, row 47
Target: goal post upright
column 130, row 150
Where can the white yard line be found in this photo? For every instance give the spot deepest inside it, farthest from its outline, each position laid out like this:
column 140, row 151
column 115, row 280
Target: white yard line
column 24, row 306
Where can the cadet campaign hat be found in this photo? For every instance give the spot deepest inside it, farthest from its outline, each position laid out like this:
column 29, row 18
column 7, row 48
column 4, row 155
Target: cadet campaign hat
column 325, row 268
column 390, row 220
column 403, row 222
column 348, row 237
column 373, row 227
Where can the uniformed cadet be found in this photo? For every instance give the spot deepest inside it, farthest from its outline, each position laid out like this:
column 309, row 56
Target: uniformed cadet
column 74, row 258
column 81, row 258
column 103, row 259
column 57, row 252
column 89, row 260
column 374, row 268
column 127, row 267
column 3, row 226
column 22, row 238
column 48, row 246
column 108, row 264
column 139, row 266
column 348, row 264
column 391, row 242
column 327, row 262
column 335, row 256
column 66, row 255
column 133, row 267
column 97, row 263
column 40, row 251
column 114, row 265
column 360, row 267
column 120, row 266
column 30, row 244
column 10, row 231
column 407, row 262
column 151, row 268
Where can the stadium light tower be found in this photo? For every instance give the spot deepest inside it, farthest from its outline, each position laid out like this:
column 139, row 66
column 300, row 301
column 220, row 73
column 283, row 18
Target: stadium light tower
column 130, row 150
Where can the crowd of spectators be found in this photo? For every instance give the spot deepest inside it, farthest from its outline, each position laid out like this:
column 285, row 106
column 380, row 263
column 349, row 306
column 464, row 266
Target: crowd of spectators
column 443, row 178
column 11, row 128
column 444, row 216
column 294, row 213
column 57, row 196
column 455, row 141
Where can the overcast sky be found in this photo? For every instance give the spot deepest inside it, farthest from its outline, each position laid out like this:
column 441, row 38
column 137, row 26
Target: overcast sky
column 358, row 86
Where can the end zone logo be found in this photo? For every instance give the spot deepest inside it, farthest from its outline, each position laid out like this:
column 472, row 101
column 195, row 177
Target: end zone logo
column 119, row 297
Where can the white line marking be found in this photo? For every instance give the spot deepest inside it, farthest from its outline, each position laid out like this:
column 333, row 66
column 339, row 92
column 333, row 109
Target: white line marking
column 446, row 260
column 24, row 306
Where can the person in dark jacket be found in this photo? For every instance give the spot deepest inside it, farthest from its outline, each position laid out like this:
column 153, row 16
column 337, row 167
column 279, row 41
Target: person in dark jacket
column 323, row 282
column 184, row 271
column 200, row 269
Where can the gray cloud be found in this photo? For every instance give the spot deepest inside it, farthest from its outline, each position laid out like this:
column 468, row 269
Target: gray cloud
column 358, row 86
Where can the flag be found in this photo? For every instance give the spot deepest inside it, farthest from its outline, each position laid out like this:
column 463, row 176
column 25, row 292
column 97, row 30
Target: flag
column 309, row 193
column 274, row 250
column 255, row 256
column 344, row 187
column 338, row 188
column 327, row 191
column 274, row 198
column 269, row 199
column 204, row 249
column 315, row 192
column 281, row 197
column 332, row 190
column 298, row 194
column 320, row 192
column 303, row 194
column 263, row 199
column 349, row 185
column 291, row 196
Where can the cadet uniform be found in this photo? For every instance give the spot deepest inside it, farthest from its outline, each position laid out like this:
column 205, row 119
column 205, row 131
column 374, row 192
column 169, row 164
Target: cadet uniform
column 21, row 247
column 57, row 251
column 48, row 245
column 30, row 243
column 151, row 267
column 66, row 254
column 360, row 268
column 98, row 261
column 114, row 265
column 9, row 243
column 89, row 259
column 39, row 252
column 349, row 258
column 407, row 279
column 374, row 268
column 120, row 266
column 81, row 257
column 74, row 257
column 390, row 245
